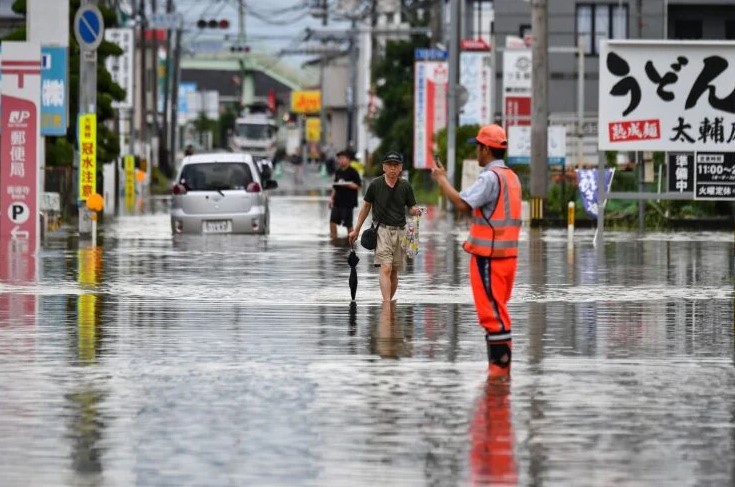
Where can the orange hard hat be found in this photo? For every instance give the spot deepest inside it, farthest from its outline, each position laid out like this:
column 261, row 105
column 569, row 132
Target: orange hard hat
column 491, row 135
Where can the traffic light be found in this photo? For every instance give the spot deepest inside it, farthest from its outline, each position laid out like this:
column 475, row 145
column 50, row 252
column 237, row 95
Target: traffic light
column 239, row 48
column 213, row 24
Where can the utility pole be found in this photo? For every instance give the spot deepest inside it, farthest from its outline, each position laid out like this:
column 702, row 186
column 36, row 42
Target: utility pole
column 131, row 111
column 240, row 23
column 454, row 29
column 436, row 22
column 351, row 122
column 87, row 104
column 175, row 77
column 240, row 44
column 322, row 108
column 164, row 150
column 539, row 110
column 154, row 88
column 143, row 76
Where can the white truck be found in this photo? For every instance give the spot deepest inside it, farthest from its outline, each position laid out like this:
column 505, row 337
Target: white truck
column 256, row 134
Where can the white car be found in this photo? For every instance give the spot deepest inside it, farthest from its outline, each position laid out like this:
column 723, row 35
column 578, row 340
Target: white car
column 220, row 193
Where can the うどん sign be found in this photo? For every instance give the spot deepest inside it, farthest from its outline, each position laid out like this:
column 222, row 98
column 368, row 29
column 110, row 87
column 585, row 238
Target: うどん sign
column 667, row 96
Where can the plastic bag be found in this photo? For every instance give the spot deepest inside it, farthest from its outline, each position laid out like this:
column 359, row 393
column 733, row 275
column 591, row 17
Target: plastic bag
column 410, row 239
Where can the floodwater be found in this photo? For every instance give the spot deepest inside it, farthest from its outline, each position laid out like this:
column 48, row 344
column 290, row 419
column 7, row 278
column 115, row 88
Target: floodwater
column 238, row 360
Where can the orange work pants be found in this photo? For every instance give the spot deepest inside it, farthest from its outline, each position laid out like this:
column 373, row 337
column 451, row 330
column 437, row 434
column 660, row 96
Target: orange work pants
column 492, row 284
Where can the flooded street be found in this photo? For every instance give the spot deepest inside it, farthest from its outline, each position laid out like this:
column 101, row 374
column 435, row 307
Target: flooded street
column 239, row 360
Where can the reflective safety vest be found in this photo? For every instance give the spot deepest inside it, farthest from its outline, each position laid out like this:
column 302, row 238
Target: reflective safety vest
column 498, row 236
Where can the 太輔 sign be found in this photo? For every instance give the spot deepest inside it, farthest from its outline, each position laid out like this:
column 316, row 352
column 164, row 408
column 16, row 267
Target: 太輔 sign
column 667, row 96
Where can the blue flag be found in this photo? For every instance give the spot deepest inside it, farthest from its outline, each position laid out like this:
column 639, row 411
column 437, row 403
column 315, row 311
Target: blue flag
column 587, row 184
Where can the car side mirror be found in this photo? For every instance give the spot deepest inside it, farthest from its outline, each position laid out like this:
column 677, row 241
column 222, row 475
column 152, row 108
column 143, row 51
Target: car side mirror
column 271, row 184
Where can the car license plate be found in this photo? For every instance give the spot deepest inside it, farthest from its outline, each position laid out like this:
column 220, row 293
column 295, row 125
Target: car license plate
column 218, row 226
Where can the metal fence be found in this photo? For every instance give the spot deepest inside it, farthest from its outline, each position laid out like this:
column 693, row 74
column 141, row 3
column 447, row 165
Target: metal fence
column 61, row 180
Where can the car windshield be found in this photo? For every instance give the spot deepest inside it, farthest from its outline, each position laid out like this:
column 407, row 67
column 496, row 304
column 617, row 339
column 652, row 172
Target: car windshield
column 254, row 131
column 216, row 176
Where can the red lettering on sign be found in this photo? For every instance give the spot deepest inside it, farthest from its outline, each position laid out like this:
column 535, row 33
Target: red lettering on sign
column 632, row 130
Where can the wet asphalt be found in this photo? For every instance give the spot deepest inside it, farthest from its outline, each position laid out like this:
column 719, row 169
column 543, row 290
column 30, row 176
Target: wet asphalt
column 240, row 360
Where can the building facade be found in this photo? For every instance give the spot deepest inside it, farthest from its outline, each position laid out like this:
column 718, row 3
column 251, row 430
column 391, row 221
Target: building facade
column 592, row 21
column 589, row 22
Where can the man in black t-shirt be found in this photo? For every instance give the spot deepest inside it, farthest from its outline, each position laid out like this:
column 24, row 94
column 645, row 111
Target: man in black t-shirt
column 388, row 197
column 347, row 183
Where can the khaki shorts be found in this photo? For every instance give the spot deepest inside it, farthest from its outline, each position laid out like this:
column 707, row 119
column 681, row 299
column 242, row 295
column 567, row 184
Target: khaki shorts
column 388, row 250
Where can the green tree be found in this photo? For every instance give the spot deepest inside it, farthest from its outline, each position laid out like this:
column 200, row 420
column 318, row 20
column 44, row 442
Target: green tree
column 60, row 150
column 393, row 77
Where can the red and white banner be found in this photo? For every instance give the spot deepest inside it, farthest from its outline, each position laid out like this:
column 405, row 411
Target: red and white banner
column 21, row 94
column 517, row 110
column 517, row 87
column 430, row 109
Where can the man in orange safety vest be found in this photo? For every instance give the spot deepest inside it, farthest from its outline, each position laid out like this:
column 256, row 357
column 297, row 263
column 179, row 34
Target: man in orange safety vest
column 495, row 202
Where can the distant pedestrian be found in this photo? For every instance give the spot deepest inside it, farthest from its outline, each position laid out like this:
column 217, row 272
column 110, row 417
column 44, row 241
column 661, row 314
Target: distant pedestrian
column 347, row 183
column 298, row 169
column 388, row 197
column 189, row 150
column 330, row 158
column 495, row 201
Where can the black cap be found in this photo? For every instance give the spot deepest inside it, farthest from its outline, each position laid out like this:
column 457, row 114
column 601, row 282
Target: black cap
column 393, row 157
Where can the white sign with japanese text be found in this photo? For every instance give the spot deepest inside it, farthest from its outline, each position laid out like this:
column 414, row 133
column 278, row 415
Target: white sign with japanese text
column 121, row 67
column 519, row 144
column 681, row 172
column 475, row 75
column 517, row 65
column 714, row 176
column 667, row 96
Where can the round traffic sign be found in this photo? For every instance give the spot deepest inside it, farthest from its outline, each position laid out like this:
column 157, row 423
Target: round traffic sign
column 89, row 27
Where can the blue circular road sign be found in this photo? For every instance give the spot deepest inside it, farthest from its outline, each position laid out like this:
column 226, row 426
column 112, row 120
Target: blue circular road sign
column 89, row 27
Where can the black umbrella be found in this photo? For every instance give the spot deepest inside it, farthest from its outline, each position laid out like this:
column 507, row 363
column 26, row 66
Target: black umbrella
column 352, row 260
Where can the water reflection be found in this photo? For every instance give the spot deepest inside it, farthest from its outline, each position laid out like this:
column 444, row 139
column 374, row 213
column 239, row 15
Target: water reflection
column 85, row 430
column 492, row 458
column 389, row 339
column 17, row 270
column 247, row 352
column 537, row 309
column 89, row 262
column 352, row 329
